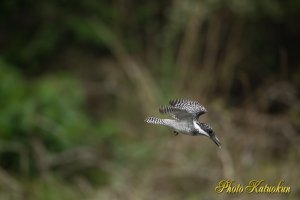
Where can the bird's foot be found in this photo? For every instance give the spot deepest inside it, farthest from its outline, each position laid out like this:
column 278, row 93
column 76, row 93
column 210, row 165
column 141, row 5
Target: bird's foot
column 175, row 133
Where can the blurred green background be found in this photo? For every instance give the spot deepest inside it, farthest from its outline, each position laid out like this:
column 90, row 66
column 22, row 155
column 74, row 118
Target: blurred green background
column 79, row 77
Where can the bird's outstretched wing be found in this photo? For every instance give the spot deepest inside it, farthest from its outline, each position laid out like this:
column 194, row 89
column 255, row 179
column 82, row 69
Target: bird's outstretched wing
column 184, row 109
column 176, row 113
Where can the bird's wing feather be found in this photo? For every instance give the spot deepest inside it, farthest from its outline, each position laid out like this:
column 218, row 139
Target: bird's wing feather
column 194, row 108
column 176, row 113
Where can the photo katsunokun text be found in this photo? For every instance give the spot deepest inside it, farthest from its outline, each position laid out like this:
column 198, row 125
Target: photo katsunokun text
column 254, row 186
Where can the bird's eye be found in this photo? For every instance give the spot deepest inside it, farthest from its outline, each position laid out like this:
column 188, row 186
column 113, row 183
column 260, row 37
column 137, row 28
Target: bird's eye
column 210, row 131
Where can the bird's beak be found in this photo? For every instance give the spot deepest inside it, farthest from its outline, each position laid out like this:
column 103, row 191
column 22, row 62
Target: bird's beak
column 216, row 140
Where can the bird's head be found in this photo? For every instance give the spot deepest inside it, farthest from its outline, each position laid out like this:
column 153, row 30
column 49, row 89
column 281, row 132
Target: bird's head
column 206, row 130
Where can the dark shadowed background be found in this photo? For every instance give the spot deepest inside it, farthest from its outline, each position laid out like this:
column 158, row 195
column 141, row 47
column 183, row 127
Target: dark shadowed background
column 79, row 77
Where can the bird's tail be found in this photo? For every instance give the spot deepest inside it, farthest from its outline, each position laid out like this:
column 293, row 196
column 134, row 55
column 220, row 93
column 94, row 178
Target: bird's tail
column 154, row 120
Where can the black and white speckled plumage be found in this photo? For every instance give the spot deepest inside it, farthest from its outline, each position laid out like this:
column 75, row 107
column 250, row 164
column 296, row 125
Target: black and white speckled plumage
column 185, row 114
column 183, row 109
column 154, row 120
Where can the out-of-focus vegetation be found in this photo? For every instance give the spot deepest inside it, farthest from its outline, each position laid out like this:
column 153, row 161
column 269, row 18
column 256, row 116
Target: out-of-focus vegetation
column 78, row 78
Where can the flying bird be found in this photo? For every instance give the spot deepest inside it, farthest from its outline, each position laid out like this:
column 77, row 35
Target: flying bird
column 185, row 115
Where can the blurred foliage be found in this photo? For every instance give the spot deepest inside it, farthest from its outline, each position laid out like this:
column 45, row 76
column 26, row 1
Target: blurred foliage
column 77, row 78
column 47, row 29
column 45, row 108
column 40, row 119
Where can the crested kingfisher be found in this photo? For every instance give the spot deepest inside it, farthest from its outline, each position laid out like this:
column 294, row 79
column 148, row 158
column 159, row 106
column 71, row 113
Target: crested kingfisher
column 185, row 115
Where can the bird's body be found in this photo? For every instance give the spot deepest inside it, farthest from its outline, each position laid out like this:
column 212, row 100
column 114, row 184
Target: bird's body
column 185, row 114
column 182, row 126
